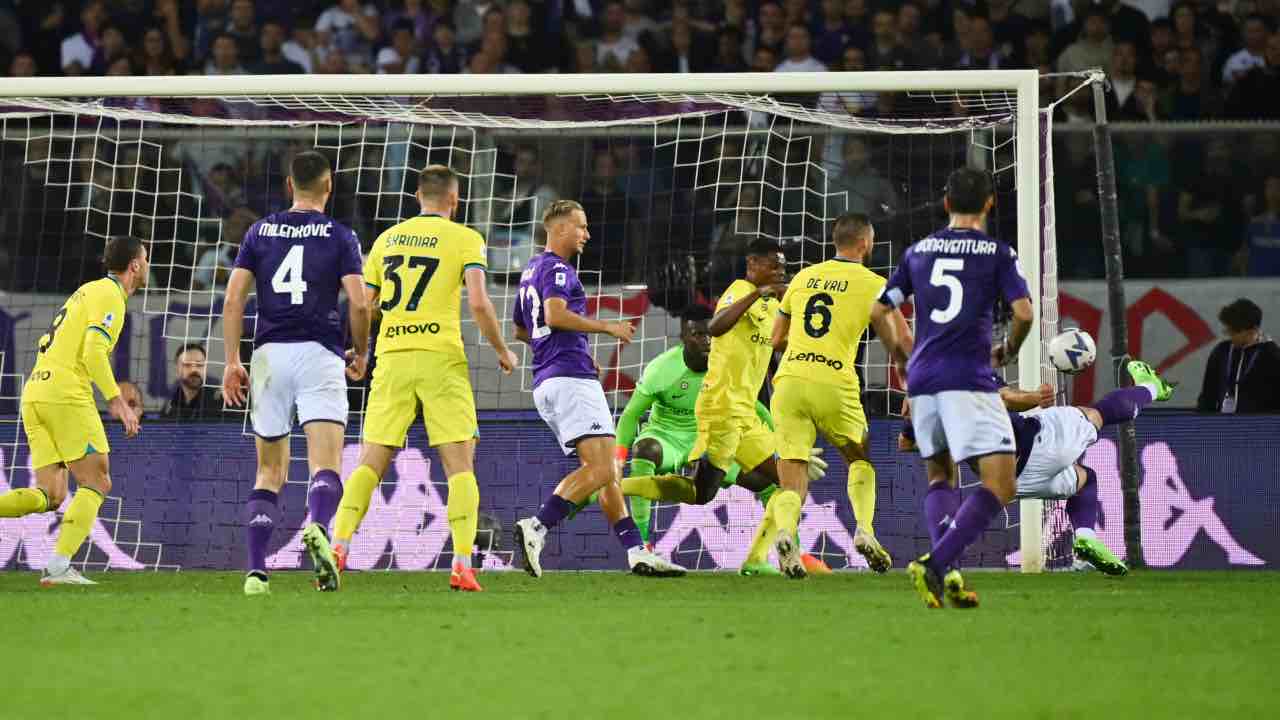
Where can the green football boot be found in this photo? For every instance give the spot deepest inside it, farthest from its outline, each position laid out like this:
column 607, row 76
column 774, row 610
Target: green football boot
column 1096, row 553
column 1144, row 374
column 759, row 569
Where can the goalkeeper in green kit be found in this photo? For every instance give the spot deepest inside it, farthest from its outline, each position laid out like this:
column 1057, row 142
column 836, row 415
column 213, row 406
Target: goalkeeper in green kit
column 668, row 391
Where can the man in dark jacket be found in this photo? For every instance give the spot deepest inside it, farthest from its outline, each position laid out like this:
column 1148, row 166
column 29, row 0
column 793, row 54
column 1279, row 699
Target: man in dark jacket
column 193, row 398
column 1243, row 372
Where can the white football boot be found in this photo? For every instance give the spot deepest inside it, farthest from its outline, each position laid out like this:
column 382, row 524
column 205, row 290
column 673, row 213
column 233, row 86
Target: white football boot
column 649, row 564
column 530, row 537
column 68, row 576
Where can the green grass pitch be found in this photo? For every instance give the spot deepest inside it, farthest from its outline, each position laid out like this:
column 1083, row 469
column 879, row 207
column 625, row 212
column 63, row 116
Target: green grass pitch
column 607, row 645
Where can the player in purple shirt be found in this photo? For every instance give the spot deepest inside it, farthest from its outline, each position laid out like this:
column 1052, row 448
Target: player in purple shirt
column 297, row 261
column 550, row 315
column 956, row 276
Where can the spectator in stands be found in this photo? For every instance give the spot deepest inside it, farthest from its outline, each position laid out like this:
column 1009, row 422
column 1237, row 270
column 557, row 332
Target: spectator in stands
column 111, row 47
column 1257, row 94
column 584, row 57
column 1121, row 95
column 885, row 52
column 1259, row 256
column 517, row 212
column 832, row 35
column 468, row 20
column 193, row 398
column 132, row 397
column 155, row 57
column 1010, row 29
column 1127, row 23
column 225, row 57
column 243, row 28
column 1035, row 49
column 846, row 103
column 492, row 55
column 302, row 47
column 910, row 25
column 637, row 22
column 1209, row 223
column 773, row 28
column 1243, row 371
column 168, row 17
column 215, row 263
column 1093, row 48
column 22, row 65
column 271, row 59
column 350, row 30
column 401, row 56
column 1189, row 33
column 421, row 18
column 982, row 53
column 799, row 52
column 728, row 51
column 44, row 26
column 1253, row 55
column 613, row 48
column 609, row 212
column 210, row 22
column 80, row 49
column 687, row 55
column 529, row 48
column 1191, row 98
column 764, row 60
column 445, row 55
column 1142, row 174
column 860, row 188
column 1161, row 43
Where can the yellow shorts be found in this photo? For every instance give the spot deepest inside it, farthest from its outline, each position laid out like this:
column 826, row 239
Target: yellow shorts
column 62, row 433
column 407, row 381
column 802, row 408
column 726, row 439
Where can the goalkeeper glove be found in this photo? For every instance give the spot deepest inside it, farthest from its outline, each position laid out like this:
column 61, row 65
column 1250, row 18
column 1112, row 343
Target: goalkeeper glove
column 817, row 466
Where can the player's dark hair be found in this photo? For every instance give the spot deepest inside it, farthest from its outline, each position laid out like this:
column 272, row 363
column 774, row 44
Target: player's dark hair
column 762, row 246
column 307, row 169
column 849, row 228
column 696, row 313
column 190, row 346
column 435, row 180
column 968, row 190
column 120, row 251
column 1243, row 314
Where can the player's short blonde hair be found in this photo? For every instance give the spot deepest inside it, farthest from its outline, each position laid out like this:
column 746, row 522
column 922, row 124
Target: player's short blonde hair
column 559, row 209
column 435, row 181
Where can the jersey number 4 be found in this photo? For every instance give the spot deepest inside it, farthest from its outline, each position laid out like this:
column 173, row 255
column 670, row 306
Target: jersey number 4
column 390, row 269
column 955, row 291
column 288, row 278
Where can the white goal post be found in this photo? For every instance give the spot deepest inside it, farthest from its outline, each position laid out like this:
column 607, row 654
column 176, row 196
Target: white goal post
column 334, row 91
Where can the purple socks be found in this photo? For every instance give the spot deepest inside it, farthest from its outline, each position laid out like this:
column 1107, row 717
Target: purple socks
column 1082, row 508
column 323, row 497
column 973, row 517
column 261, row 514
column 1123, row 405
column 554, row 510
column 940, row 506
column 627, row 532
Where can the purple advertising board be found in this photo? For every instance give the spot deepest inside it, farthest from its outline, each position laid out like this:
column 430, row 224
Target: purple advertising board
column 1210, row 499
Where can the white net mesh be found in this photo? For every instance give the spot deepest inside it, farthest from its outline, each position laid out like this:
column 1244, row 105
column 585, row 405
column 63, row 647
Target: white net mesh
column 675, row 185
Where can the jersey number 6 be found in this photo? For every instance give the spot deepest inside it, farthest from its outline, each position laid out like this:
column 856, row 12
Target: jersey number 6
column 818, row 308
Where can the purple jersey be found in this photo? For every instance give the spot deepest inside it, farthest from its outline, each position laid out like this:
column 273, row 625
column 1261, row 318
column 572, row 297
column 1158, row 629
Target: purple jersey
column 556, row 353
column 956, row 275
column 298, row 260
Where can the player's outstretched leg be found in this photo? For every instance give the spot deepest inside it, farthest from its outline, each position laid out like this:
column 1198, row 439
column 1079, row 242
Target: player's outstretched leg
column 1082, row 510
column 24, row 501
column 1145, row 376
column 322, row 503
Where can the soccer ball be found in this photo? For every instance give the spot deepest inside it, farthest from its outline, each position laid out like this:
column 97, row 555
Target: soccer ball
column 1072, row 351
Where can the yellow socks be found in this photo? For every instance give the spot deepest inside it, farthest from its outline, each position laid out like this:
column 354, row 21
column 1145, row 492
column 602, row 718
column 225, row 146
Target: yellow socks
column 23, row 501
column 673, row 488
column 862, row 495
column 78, row 521
column 463, row 509
column 786, row 510
column 759, row 550
column 355, row 502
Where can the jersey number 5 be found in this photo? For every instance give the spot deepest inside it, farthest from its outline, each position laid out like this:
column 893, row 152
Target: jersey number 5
column 955, row 291
column 288, row 278
column 391, row 266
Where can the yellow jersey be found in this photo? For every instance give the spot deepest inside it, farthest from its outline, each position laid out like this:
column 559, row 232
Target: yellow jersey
column 740, row 358
column 62, row 372
column 830, row 307
column 417, row 267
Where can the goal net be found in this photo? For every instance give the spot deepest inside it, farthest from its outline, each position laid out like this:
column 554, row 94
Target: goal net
column 677, row 174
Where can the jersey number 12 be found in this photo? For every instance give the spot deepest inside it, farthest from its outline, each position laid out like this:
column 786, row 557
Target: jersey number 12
column 288, row 278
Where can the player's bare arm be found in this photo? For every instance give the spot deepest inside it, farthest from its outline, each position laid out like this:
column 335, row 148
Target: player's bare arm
column 1022, row 400
column 487, row 319
column 358, row 317
column 1004, row 353
column 560, row 317
column 521, row 334
column 235, row 378
column 726, row 318
column 887, row 330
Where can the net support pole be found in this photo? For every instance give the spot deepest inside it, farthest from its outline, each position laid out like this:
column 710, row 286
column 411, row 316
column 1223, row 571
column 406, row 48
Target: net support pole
column 1108, row 208
column 1027, row 128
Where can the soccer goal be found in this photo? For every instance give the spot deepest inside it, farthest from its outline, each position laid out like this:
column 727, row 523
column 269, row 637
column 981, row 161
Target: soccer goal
column 677, row 173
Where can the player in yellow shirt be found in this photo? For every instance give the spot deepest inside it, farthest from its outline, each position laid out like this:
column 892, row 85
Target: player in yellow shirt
column 414, row 274
column 821, row 320
column 59, row 415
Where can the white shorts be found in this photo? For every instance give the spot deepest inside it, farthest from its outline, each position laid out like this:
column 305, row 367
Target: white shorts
column 964, row 422
column 575, row 408
column 304, row 375
column 1065, row 433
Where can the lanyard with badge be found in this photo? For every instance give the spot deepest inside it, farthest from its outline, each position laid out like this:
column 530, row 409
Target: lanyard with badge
column 1229, row 398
